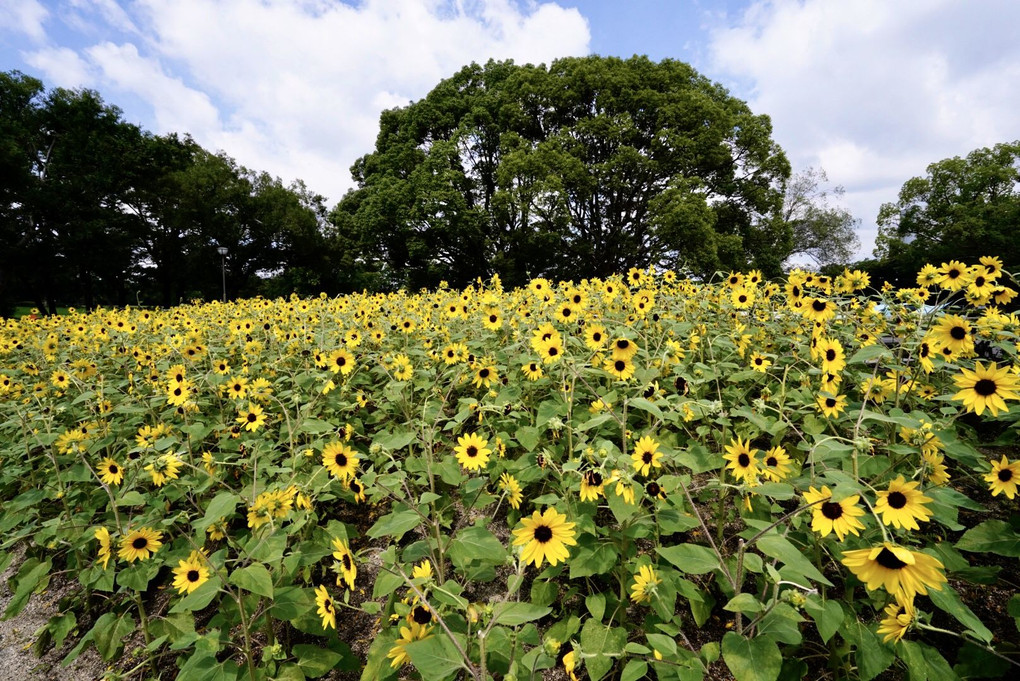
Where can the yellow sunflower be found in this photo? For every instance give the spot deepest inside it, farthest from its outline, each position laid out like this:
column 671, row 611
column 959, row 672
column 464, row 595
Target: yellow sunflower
column 140, row 544
column 644, row 584
column 742, row 462
column 829, row 516
column 325, row 607
column 251, row 418
column 103, row 535
column 191, row 573
column 345, row 568
column 619, row 367
column 902, row 505
column 646, row 455
column 1004, row 477
column 898, row 618
column 986, row 388
column 412, row 632
column 902, row 572
column 110, row 472
column 545, row 536
column 472, row 452
column 340, row 460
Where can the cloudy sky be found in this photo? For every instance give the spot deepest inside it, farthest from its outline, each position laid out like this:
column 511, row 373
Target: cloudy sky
column 870, row 90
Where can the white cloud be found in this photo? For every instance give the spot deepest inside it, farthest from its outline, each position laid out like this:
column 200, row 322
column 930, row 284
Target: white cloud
column 295, row 87
column 61, row 66
column 874, row 91
column 24, row 16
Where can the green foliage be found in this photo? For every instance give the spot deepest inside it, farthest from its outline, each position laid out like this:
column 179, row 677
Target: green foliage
column 587, row 167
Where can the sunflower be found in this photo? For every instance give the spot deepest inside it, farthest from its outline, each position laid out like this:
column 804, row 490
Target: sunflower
column 545, row 536
column 341, row 361
column 644, row 584
column 345, row 568
column 952, row 333
column 742, row 298
column 402, row 368
column 742, row 462
column 472, row 452
column 898, row 618
column 595, row 336
column 760, row 362
column 422, row 570
column 551, row 350
column 177, row 394
column 901, row 571
column 592, row 484
column 340, row 460
column 409, row 634
column 830, row 406
column 512, row 488
column 325, row 608
column 191, row 573
column 103, row 535
column 355, row 487
column 1004, row 477
column 621, row 368
column 163, row 469
column 140, row 544
column 818, row 310
column 953, row 275
column 532, row 371
column 252, row 418
column 646, row 455
column 829, row 516
column 624, row 348
column 492, row 320
column 237, row 388
column 484, row 376
column 986, row 387
column 902, row 505
column 110, row 472
column 776, row 464
column 830, row 351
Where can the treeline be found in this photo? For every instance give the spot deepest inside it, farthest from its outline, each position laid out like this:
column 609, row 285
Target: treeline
column 95, row 210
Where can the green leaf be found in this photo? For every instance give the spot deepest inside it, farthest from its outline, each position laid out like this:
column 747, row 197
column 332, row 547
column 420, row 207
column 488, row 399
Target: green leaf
column 644, row 405
column 756, row 659
column 515, row 614
column 395, row 524
column 782, row 549
column 109, row 631
column 991, row 536
column 872, row 656
column 743, row 603
column 138, row 575
column 949, row 600
column 596, row 604
column 254, row 578
column 397, row 440
column 316, row 426
column 827, row 616
column 31, row 573
column 596, row 559
column 199, row 598
column 315, row 661
column 693, row 559
column 435, row 658
column 476, row 544
column 635, row 669
column 290, row 602
column 132, row 498
column 528, row 437
column 221, row 506
column 600, row 644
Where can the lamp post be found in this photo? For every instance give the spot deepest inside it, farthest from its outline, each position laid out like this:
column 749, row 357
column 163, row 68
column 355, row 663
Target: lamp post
column 222, row 250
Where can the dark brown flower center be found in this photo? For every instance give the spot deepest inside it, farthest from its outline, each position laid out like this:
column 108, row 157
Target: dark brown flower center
column 484, row 373
column 340, row 459
column 139, row 543
column 646, row 457
column 888, row 560
column 619, row 365
column 1005, row 475
column 830, row 402
column 744, row 460
column 113, row 469
column 832, row 511
column 653, row 489
column 553, row 351
column 897, row 499
column 252, row 417
column 958, row 333
column 818, row 305
column 830, row 355
column 347, row 562
column 622, row 344
column 772, row 461
column 985, row 387
column 593, row 478
column 192, row 576
column 421, row 615
column 472, row 451
column 543, row 534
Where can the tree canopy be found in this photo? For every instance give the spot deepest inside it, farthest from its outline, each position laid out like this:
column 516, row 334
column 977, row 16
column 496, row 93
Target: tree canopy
column 95, row 210
column 962, row 209
column 585, row 168
column 825, row 233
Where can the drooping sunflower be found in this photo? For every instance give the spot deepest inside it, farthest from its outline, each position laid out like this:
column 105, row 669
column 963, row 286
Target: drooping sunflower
column 163, row 469
column 829, row 516
column 402, row 368
column 103, row 535
column 472, row 452
column 1004, row 477
column 902, row 572
column 902, row 505
column 422, row 570
column 191, row 573
column 345, row 567
column 592, row 484
column 646, row 455
column 898, row 618
column 340, row 460
column 110, row 472
column 545, row 536
column 140, row 544
column 356, row 488
column 986, row 388
column 325, row 607
column 644, row 585
column 742, row 462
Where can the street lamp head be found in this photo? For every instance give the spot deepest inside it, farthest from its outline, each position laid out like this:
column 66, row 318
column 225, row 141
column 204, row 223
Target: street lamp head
column 222, row 250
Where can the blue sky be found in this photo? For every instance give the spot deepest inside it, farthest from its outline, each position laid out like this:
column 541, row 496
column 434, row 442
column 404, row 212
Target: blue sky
column 870, row 90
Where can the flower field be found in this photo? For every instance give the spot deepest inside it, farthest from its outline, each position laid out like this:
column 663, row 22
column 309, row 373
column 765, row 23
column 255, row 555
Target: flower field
column 636, row 477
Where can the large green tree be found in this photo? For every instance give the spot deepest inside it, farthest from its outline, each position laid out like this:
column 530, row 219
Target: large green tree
column 823, row 231
column 962, row 209
column 585, row 168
